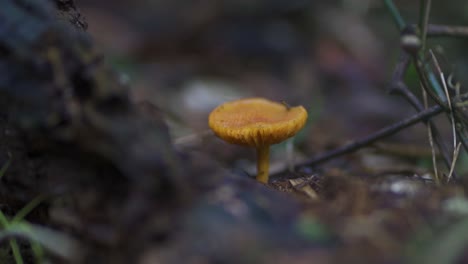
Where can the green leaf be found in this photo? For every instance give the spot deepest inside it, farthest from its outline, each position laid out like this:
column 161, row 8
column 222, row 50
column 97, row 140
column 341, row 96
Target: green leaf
column 27, row 209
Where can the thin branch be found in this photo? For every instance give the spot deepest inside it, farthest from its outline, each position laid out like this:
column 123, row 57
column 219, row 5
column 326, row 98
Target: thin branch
column 399, row 87
column 458, row 116
column 447, row 31
column 385, row 132
column 424, row 21
column 447, row 95
column 456, row 152
column 434, row 156
column 431, row 141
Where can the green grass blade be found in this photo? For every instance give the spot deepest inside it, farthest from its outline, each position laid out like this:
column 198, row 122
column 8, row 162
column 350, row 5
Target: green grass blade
column 27, row 209
column 16, row 252
column 3, row 220
column 396, row 15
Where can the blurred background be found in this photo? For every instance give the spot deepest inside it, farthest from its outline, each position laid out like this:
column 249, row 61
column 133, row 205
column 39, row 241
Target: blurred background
column 334, row 57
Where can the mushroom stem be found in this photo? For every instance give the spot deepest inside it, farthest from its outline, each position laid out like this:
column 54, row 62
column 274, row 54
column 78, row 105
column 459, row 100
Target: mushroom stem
column 263, row 163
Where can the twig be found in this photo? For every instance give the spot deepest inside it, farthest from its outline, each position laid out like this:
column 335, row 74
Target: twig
column 399, row 87
column 427, row 78
column 454, row 161
column 447, row 95
column 434, row 157
column 425, row 9
column 413, row 42
column 446, row 31
column 385, row 132
column 431, row 142
column 456, row 147
column 425, row 83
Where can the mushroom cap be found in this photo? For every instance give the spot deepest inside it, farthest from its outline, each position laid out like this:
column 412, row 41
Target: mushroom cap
column 256, row 121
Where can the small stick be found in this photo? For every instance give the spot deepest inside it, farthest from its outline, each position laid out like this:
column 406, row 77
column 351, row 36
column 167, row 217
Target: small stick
column 454, row 161
column 434, row 156
column 431, row 141
column 384, row 132
column 424, row 20
column 449, row 101
column 425, row 82
column 399, row 87
column 447, row 31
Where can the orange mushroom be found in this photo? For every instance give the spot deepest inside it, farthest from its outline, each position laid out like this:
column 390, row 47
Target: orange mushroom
column 259, row 123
